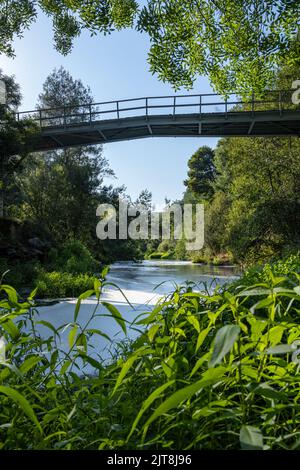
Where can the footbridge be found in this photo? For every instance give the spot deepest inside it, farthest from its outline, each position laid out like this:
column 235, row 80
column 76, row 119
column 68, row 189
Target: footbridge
column 204, row 115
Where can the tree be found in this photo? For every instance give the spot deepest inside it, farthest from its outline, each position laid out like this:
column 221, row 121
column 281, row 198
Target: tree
column 202, row 172
column 255, row 210
column 16, row 141
column 62, row 188
column 145, row 198
column 237, row 44
column 68, row 17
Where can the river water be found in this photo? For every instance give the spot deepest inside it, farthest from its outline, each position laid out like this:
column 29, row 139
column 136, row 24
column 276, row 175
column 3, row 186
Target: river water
column 143, row 284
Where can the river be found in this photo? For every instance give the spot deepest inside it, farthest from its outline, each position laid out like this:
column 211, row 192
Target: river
column 143, row 284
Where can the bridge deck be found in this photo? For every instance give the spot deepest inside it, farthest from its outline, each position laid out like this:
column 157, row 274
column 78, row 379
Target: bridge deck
column 206, row 115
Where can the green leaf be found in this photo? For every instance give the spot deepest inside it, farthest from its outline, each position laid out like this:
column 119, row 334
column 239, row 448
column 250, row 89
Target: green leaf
column 81, row 343
column 116, row 315
column 264, row 303
column 29, row 363
column 65, row 367
column 267, row 391
column 105, row 271
column 152, row 332
column 72, row 412
column 128, row 364
column 199, row 363
column 251, row 438
column 224, row 340
column 83, row 296
column 32, row 294
column 297, row 290
column 150, row 318
column 93, row 362
column 194, row 321
column 72, row 335
column 202, row 337
column 23, row 403
column 275, row 334
column 209, row 378
column 98, row 332
column 11, row 293
column 97, row 287
column 53, row 359
column 148, row 402
column 48, row 325
column 280, row 349
column 255, row 291
column 11, row 329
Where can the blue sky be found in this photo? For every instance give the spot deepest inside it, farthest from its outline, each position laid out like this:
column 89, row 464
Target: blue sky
column 115, row 67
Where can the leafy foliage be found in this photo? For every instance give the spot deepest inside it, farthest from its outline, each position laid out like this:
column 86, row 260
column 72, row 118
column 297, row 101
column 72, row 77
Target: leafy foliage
column 202, row 172
column 238, row 45
column 62, row 284
column 208, row 371
column 72, row 257
column 17, row 141
column 252, row 204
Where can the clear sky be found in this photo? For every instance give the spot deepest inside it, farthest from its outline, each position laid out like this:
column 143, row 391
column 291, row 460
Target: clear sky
column 115, row 67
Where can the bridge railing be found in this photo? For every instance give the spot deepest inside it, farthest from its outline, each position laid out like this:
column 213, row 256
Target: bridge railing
column 203, row 104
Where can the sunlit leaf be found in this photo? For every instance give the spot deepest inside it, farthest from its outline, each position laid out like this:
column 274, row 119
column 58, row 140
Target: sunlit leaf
column 223, row 342
column 251, row 438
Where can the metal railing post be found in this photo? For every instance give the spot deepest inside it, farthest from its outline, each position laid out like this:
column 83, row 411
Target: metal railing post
column 253, row 96
column 174, row 106
column 90, row 112
column 118, row 111
column 200, row 106
column 226, row 108
column 40, row 117
column 147, row 107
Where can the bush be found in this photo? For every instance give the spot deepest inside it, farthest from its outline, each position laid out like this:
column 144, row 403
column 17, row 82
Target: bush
column 263, row 272
column 58, row 285
column 20, row 273
column 180, row 250
column 72, row 257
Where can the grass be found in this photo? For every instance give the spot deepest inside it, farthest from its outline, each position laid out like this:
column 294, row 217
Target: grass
column 208, row 371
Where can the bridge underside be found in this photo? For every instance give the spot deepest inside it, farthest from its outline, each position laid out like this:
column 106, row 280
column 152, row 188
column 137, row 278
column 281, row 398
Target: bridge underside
column 237, row 124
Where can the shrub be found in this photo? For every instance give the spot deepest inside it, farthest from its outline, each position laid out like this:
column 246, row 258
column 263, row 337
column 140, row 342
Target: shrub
column 20, row 273
column 58, row 285
column 279, row 268
column 72, row 257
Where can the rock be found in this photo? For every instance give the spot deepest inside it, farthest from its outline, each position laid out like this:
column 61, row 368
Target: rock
column 36, row 243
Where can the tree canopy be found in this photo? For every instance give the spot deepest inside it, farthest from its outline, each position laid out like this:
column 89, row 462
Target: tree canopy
column 16, row 137
column 237, row 44
column 202, row 172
